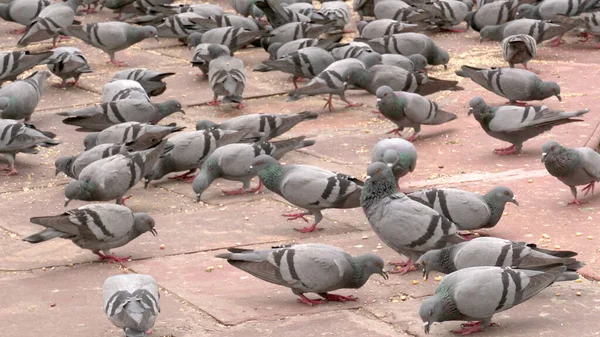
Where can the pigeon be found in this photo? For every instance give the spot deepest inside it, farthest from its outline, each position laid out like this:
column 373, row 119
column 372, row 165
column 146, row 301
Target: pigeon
column 270, row 125
column 308, row 187
column 519, row 48
column 572, row 166
column 550, row 9
column 110, row 178
column 151, row 81
column 232, row 37
column 410, row 110
column 447, row 13
column 333, row 79
column 246, row 8
column 206, row 52
column 180, row 25
column 540, row 30
column 100, row 117
column 112, row 36
column 364, row 8
column 227, row 78
column 50, row 21
column 278, row 50
column 398, row 79
column 489, row 251
column 16, row 137
column 136, row 135
column 398, row 10
column 517, row 124
column 190, row 150
column 338, row 12
column 278, row 15
column 304, row 268
column 97, row 227
column 123, row 89
column 232, row 162
column 408, row 44
column 131, row 302
column 399, row 153
column 19, row 99
column 412, row 63
column 477, row 293
column 405, row 225
column 492, row 14
column 205, row 10
column 68, row 62
column 308, row 10
column 467, row 210
column 306, row 62
column 378, row 28
column 229, row 20
column 14, row 63
column 350, row 50
column 512, row 83
column 590, row 22
column 294, row 31
column 72, row 165
column 22, row 12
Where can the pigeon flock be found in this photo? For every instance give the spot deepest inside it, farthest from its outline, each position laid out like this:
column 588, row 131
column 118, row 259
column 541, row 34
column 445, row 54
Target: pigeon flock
column 390, row 57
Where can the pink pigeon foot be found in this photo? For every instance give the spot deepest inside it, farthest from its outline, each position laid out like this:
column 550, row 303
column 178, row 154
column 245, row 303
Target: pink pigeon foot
column 241, row 191
column 183, row 177
column 577, row 202
column 149, row 332
column 339, row 298
column 214, row 102
column 589, row 187
column 11, row 170
column 308, row 301
column 308, row 229
column 507, row 151
column 467, row 236
column 200, row 74
column 112, row 258
column 295, row 216
column 557, row 41
column 19, row 31
column 396, row 131
column 353, row 105
column 407, row 266
column 586, row 36
column 329, row 103
column 117, row 63
column 123, row 200
column 239, row 106
column 412, row 138
column 468, row 330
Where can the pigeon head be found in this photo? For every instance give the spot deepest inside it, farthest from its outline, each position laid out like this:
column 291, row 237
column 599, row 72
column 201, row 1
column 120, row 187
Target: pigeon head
column 380, row 172
column 262, row 162
column 501, row 195
column 268, row 170
column 419, row 62
column 171, row 106
column 440, row 56
column 63, row 164
column 547, row 89
column 206, row 125
column 208, row 173
column 273, row 48
column 369, row 264
column 217, row 50
column 359, row 77
column 430, row 261
column 490, row 33
column 78, row 190
column 550, row 149
column 384, row 93
column 90, row 140
column 145, row 32
column 370, row 58
column 432, row 310
column 143, row 223
column 194, row 39
column 527, row 11
column 476, row 106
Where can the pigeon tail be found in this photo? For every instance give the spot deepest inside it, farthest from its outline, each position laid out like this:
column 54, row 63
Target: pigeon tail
column 45, row 235
column 441, row 117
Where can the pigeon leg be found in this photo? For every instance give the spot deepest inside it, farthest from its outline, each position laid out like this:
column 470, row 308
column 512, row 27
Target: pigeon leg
column 294, row 216
column 589, row 187
column 18, row 31
column 112, row 258
column 337, row 298
column 413, row 137
column 308, row 229
column 121, row 201
column 348, row 103
column 586, row 36
column 508, row 150
column 117, row 63
column 183, row 177
column 308, row 301
column 329, row 103
column 469, row 330
column 557, row 41
column 214, row 102
column 577, row 202
column 10, row 167
column 407, row 266
column 239, row 106
column 396, row 131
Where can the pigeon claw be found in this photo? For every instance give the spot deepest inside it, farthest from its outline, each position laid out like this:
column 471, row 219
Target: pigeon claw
column 295, row 216
column 407, row 266
column 507, row 151
column 589, row 187
column 117, row 63
column 11, row 170
column 308, row 301
column 214, row 102
column 308, row 229
column 338, row 298
column 184, row 177
column 19, row 31
column 113, row 258
column 577, row 202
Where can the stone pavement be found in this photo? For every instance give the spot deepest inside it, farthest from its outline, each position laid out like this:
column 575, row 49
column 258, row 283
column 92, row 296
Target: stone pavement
column 54, row 288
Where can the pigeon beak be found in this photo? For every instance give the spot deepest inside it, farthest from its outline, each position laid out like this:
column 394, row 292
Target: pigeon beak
column 445, row 67
column 67, row 201
column 390, row 164
column 514, row 201
column 470, row 111
column 249, row 170
column 425, row 275
column 378, row 100
column 544, row 157
column 367, row 177
column 480, row 39
column 183, row 112
column 56, row 173
column 198, row 197
column 146, row 182
column 384, row 275
column 426, row 326
column 153, row 231
column 559, row 98
column 156, row 37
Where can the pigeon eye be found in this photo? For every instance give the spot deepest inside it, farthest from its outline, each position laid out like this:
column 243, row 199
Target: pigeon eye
column 552, row 148
column 506, row 193
column 430, row 312
column 377, row 264
column 385, row 95
column 148, row 222
column 377, row 171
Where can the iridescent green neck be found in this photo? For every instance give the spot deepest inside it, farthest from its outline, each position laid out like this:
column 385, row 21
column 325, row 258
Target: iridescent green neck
column 271, row 176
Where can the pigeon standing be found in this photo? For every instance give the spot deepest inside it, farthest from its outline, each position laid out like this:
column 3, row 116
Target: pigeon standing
column 407, row 226
column 294, row 31
column 123, row 89
column 492, row 14
column 19, row 99
column 408, row 44
column 400, row 153
column 447, row 13
column 477, row 293
column 112, row 36
column 540, row 30
column 572, row 166
column 519, row 48
column 338, row 12
column 517, row 124
column 412, row 63
column 304, row 63
column 14, row 63
column 382, row 27
column 16, row 137
column 407, row 109
column 22, row 12
column 151, row 81
column 97, row 227
column 234, row 38
column 206, row 52
column 512, row 83
column 72, row 165
column 227, row 78
column 68, row 62
column 137, row 135
column 308, row 187
column 131, row 302
column 364, row 8
column 50, row 22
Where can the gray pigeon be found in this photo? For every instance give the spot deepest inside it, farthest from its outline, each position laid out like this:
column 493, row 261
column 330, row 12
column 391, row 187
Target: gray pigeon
column 412, row 63
column 540, row 30
column 512, row 83
column 407, row 226
column 232, row 162
column 477, row 293
column 179, row 25
column 517, row 124
column 123, row 89
column 190, row 150
column 333, row 79
column 205, row 10
column 492, row 14
column 19, row 99
column 100, row 117
column 305, row 268
column 408, row 44
column 50, row 22
column 278, row 15
column 112, row 36
column 245, row 8
column 338, row 12
column 270, row 125
column 206, row 52
column 572, row 166
column 68, row 62
column 229, row 20
column 278, row 50
column 489, row 251
column 398, row 10
column 591, row 23
column 306, row 63
column 294, row 31
column 97, row 227
column 308, row 10
column 16, row 137
column 227, row 78
column 110, row 178
column 308, row 187
column 14, row 63
column 399, row 153
column 131, row 302
column 72, row 165
column 151, row 81
column 378, row 28
column 551, row 9
column 467, row 210
column 22, row 12
column 407, row 109
column 364, row 8
column 136, row 135
column 519, row 48
column 233, row 38
column 350, row 50
column 447, row 13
